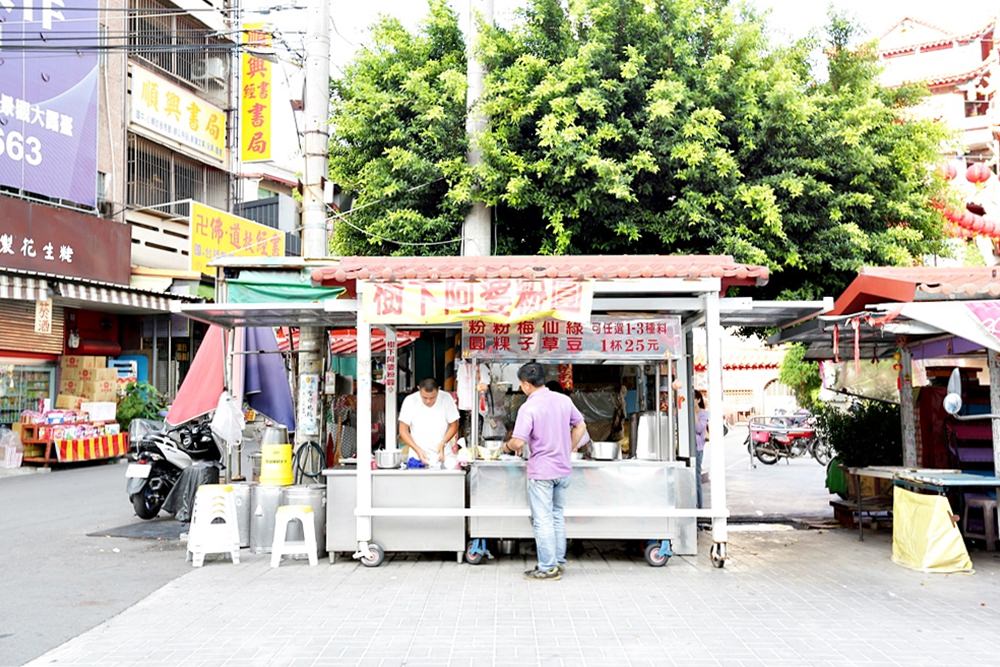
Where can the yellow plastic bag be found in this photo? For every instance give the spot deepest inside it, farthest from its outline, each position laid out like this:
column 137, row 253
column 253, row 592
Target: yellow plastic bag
column 924, row 537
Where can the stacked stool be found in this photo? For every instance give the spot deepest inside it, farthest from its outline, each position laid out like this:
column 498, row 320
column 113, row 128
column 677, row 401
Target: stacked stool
column 214, row 526
column 307, row 546
column 987, row 508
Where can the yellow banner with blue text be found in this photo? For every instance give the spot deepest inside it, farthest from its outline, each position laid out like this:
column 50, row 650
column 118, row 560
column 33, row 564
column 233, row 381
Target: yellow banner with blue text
column 215, row 233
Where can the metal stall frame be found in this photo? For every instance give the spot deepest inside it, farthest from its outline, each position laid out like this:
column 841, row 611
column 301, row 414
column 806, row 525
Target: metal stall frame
column 698, row 301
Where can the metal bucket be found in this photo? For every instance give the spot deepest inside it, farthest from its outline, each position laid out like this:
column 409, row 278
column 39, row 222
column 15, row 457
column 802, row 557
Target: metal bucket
column 507, row 547
column 242, row 491
column 313, row 495
column 264, row 501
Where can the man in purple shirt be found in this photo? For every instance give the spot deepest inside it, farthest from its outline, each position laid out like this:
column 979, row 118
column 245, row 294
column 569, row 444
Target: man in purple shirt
column 551, row 426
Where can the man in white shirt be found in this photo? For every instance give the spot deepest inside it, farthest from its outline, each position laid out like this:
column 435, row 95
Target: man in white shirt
column 428, row 421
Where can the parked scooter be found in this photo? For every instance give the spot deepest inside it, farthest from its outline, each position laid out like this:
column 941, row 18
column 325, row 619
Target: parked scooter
column 157, row 460
column 787, row 437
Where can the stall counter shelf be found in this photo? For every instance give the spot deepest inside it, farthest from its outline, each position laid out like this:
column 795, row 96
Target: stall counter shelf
column 417, row 489
column 620, row 491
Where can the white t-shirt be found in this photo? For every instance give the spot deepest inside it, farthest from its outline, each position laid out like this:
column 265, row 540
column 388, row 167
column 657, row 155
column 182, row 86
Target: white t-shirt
column 428, row 424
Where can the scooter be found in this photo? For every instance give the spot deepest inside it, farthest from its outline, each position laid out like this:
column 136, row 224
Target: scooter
column 158, row 460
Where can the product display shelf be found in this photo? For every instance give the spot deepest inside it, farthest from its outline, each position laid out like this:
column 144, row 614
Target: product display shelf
column 42, row 449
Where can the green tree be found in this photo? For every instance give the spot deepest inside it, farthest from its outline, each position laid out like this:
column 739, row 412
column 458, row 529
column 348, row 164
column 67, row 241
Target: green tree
column 645, row 126
column 801, row 376
column 397, row 139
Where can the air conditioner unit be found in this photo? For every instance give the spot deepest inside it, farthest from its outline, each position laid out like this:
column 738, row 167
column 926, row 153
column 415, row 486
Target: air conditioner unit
column 210, row 69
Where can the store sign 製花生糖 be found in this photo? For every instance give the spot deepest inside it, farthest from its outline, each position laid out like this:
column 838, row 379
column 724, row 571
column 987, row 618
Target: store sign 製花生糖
column 501, row 300
column 602, row 338
column 48, row 102
column 215, row 233
column 170, row 111
column 255, row 96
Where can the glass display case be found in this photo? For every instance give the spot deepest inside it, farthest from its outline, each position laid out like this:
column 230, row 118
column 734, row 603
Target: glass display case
column 24, row 388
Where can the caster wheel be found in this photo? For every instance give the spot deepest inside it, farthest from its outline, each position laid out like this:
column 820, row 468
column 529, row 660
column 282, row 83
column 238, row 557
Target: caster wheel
column 473, row 558
column 653, row 557
column 376, row 557
column 718, row 556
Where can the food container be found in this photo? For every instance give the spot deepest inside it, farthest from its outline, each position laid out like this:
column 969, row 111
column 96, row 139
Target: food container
column 605, row 450
column 388, row 458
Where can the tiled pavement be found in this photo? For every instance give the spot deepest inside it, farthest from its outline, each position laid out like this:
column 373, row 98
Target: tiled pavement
column 785, row 598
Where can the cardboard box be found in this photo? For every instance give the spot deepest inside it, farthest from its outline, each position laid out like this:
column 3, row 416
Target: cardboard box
column 71, row 387
column 106, row 375
column 68, row 402
column 70, row 374
column 100, row 391
column 79, row 361
column 100, row 411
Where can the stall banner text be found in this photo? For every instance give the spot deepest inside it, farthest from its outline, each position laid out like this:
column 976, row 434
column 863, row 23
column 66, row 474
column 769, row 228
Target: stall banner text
column 501, row 300
column 602, row 338
column 48, row 101
column 255, row 96
column 172, row 112
column 215, row 233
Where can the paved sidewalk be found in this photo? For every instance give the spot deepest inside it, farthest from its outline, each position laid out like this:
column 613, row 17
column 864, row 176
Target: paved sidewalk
column 786, row 597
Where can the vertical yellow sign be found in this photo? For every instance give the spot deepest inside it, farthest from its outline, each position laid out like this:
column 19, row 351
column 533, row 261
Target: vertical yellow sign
column 255, row 96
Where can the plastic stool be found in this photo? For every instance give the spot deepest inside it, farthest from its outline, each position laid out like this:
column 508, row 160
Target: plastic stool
column 988, row 508
column 304, row 515
column 214, row 526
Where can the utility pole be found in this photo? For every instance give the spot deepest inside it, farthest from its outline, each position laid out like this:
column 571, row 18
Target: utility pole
column 316, row 110
column 477, row 229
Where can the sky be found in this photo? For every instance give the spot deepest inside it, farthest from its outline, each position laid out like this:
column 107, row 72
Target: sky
column 788, row 18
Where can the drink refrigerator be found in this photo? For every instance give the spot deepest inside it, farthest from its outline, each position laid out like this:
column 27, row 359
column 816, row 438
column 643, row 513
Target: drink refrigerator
column 24, row 387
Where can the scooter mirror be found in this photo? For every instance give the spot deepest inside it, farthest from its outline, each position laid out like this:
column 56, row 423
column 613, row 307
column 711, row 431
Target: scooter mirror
column 952, row 403
column 955, row 383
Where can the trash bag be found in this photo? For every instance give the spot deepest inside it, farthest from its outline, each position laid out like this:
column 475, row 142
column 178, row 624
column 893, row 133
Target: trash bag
column 228, row 422
column 180, row 500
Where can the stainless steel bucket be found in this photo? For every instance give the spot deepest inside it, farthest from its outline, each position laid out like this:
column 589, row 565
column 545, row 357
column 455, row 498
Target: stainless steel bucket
column 242, row 491
column 264, row 501
column 313, row 495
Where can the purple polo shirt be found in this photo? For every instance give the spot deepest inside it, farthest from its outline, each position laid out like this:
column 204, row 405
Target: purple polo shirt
column 544, row 422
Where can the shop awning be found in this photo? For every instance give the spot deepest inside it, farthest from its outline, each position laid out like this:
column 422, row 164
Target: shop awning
column 345, row 341
column 128, row 298
column 23, row 288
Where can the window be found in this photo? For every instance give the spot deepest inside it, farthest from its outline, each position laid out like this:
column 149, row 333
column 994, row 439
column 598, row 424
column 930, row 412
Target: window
column 158, row 176
column 179, row 45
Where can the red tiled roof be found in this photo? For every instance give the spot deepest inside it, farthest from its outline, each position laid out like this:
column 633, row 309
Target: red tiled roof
column 928, row 283
column 597, row 267
column 945, row 39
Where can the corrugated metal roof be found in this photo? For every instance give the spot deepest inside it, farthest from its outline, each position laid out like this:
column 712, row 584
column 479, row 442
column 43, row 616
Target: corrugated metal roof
column 596, row 267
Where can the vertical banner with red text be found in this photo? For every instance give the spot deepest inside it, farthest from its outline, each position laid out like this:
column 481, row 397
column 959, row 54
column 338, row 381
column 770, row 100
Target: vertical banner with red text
column 255, row 95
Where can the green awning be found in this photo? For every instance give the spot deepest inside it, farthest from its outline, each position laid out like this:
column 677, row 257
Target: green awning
column 278, row 286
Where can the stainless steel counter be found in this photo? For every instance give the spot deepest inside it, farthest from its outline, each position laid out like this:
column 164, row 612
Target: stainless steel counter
column 417, row 489
column 621, row 490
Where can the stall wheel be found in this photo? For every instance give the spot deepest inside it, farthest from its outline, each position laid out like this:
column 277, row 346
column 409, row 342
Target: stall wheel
column 658, row 553
column 476, row 551
column 719, row 555
column 375, row 556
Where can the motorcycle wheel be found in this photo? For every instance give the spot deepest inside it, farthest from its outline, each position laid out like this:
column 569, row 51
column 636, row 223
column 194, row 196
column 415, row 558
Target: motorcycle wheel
column 822, row 452
column 766, row 455
column 147, row 506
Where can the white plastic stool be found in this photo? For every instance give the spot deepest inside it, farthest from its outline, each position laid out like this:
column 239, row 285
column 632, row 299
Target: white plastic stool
column 304, row 515
column 214, row 526
column 988, row 508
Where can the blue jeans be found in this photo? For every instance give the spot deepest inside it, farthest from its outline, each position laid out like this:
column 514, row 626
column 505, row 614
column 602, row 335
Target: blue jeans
column 546, row 498
column 699, row 454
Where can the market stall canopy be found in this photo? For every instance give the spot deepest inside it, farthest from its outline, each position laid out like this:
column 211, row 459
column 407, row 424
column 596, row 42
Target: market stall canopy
column 918, row 302
column 345, row 341
column 577, row 267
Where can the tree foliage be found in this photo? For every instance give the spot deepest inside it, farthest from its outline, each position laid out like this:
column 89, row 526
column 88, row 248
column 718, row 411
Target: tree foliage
column 645, row 126
column 801, row 376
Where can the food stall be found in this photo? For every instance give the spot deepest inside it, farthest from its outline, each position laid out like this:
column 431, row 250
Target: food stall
column 650, row 496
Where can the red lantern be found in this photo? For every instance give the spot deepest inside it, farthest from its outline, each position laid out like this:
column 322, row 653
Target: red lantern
column 978, row 224
column 967, row 219
column 978, row 173
column 948, row 171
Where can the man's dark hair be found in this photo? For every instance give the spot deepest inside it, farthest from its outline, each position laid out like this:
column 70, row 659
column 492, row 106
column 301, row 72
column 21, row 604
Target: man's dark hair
column 532, row 373
column 427, row 384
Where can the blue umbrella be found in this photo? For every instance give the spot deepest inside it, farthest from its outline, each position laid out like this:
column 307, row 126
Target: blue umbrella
column 266, row 380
